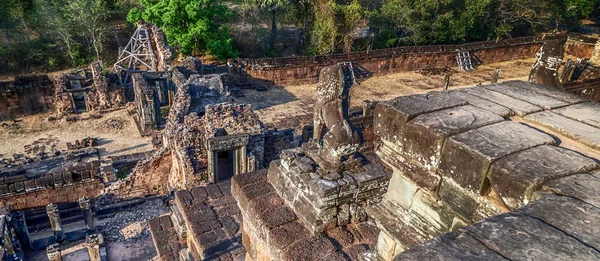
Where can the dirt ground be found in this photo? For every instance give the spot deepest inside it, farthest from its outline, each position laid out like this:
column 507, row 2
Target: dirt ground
column 292, row 106
column 281, row 107
column 116, row 131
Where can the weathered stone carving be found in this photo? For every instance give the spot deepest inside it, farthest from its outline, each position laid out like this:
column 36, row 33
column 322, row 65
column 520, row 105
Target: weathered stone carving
column 549, row 58
column 331, row 111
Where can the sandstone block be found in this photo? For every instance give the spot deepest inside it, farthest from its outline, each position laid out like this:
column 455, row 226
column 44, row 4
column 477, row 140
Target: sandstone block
column 484, row 104
column 521, row 108
column 582, row 112
column 516, row 236
column 515, row 177
column 451, row 246
column 579, row 219
column 528, row 95
column 578, row 131
column 582, row 186
column 425, row 134
column 391, row 116
column 466, row 157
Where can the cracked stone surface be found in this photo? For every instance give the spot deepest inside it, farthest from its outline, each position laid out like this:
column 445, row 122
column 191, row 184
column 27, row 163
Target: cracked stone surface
column 517, row 176
column 528, row 95
column 521, row 108
column 466, row 157
column 578, row 131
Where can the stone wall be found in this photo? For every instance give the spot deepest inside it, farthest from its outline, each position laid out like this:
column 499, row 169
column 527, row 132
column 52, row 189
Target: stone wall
column 66, row 183
column 580, row 46
column 457, row 159
column 298, row 70
column 150, row 177
column 146, row 100
column 275, row 143
column 25, row 95
column 57, row 194
column 162, row 51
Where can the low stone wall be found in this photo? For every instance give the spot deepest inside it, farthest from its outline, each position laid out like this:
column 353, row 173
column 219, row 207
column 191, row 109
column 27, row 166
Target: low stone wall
column 25, row 95
column 57, row 194
column 299, row 70
column 580, row 46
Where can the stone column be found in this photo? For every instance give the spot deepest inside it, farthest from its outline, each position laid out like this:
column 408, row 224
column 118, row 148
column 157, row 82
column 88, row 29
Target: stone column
column 496, row 75
column 52, row 211
column 53, row 252
column 93, row 243
column 86, row 209
column 18, row 222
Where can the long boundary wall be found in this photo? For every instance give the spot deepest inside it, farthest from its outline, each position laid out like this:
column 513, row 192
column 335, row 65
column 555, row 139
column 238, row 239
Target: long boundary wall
column 299, row 70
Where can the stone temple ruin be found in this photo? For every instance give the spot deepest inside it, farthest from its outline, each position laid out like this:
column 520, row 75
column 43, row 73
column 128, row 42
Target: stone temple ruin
column 506, row 171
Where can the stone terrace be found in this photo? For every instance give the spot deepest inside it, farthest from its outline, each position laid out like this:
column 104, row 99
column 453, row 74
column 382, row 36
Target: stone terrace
column 506, row 171
column 206, row 220
column 272, row 231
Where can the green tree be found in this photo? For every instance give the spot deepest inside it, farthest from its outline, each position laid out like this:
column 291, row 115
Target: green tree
column 191, row 25
column 89, row 19
column 272, row 6
column 336, row 24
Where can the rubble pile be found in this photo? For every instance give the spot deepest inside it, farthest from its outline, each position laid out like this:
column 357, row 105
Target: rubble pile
column 131, row 226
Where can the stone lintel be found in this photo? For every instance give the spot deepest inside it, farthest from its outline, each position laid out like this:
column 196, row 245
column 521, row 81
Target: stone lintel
column 227, row 142
column 466, row 157
column 516, row 176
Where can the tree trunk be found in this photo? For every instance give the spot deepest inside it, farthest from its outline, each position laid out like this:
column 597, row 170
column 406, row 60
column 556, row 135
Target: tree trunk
column 273, row 28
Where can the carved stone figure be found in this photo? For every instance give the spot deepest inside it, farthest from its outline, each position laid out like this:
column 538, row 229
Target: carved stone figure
column 331, row 111
column 545, row 70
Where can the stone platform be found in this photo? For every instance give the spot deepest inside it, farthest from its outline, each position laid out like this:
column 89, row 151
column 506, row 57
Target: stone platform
column 273, row 231
column 325, row 202
column 473, row 154
column 204, row 225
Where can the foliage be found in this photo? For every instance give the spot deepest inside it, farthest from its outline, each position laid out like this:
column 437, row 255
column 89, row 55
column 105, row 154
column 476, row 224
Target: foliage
column 336, row 25
column 190, row 25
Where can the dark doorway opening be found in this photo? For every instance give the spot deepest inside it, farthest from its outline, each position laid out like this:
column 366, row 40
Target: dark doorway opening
column 225, row 165
column 79, row 102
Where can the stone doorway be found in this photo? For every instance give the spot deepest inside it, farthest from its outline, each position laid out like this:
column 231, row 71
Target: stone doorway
column 79, row 102
column 226, row 156
column 225, row 162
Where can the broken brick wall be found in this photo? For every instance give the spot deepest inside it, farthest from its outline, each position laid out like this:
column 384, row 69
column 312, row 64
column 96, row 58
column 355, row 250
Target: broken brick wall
column 25, row 95
column 300, row 70
column 150, row 177
column 580, row 46
column 42, row 197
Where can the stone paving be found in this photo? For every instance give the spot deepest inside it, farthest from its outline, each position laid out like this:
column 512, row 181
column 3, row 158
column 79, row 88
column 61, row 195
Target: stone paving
column 481, row 186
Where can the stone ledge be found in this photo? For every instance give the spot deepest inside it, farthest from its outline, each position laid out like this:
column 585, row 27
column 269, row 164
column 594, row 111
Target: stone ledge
column 466, row 157
column 521, row 108
column 516, row 177
column 580, row 132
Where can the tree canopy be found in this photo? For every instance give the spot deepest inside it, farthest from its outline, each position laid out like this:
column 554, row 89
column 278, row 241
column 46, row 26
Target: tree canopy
column 190, row 25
